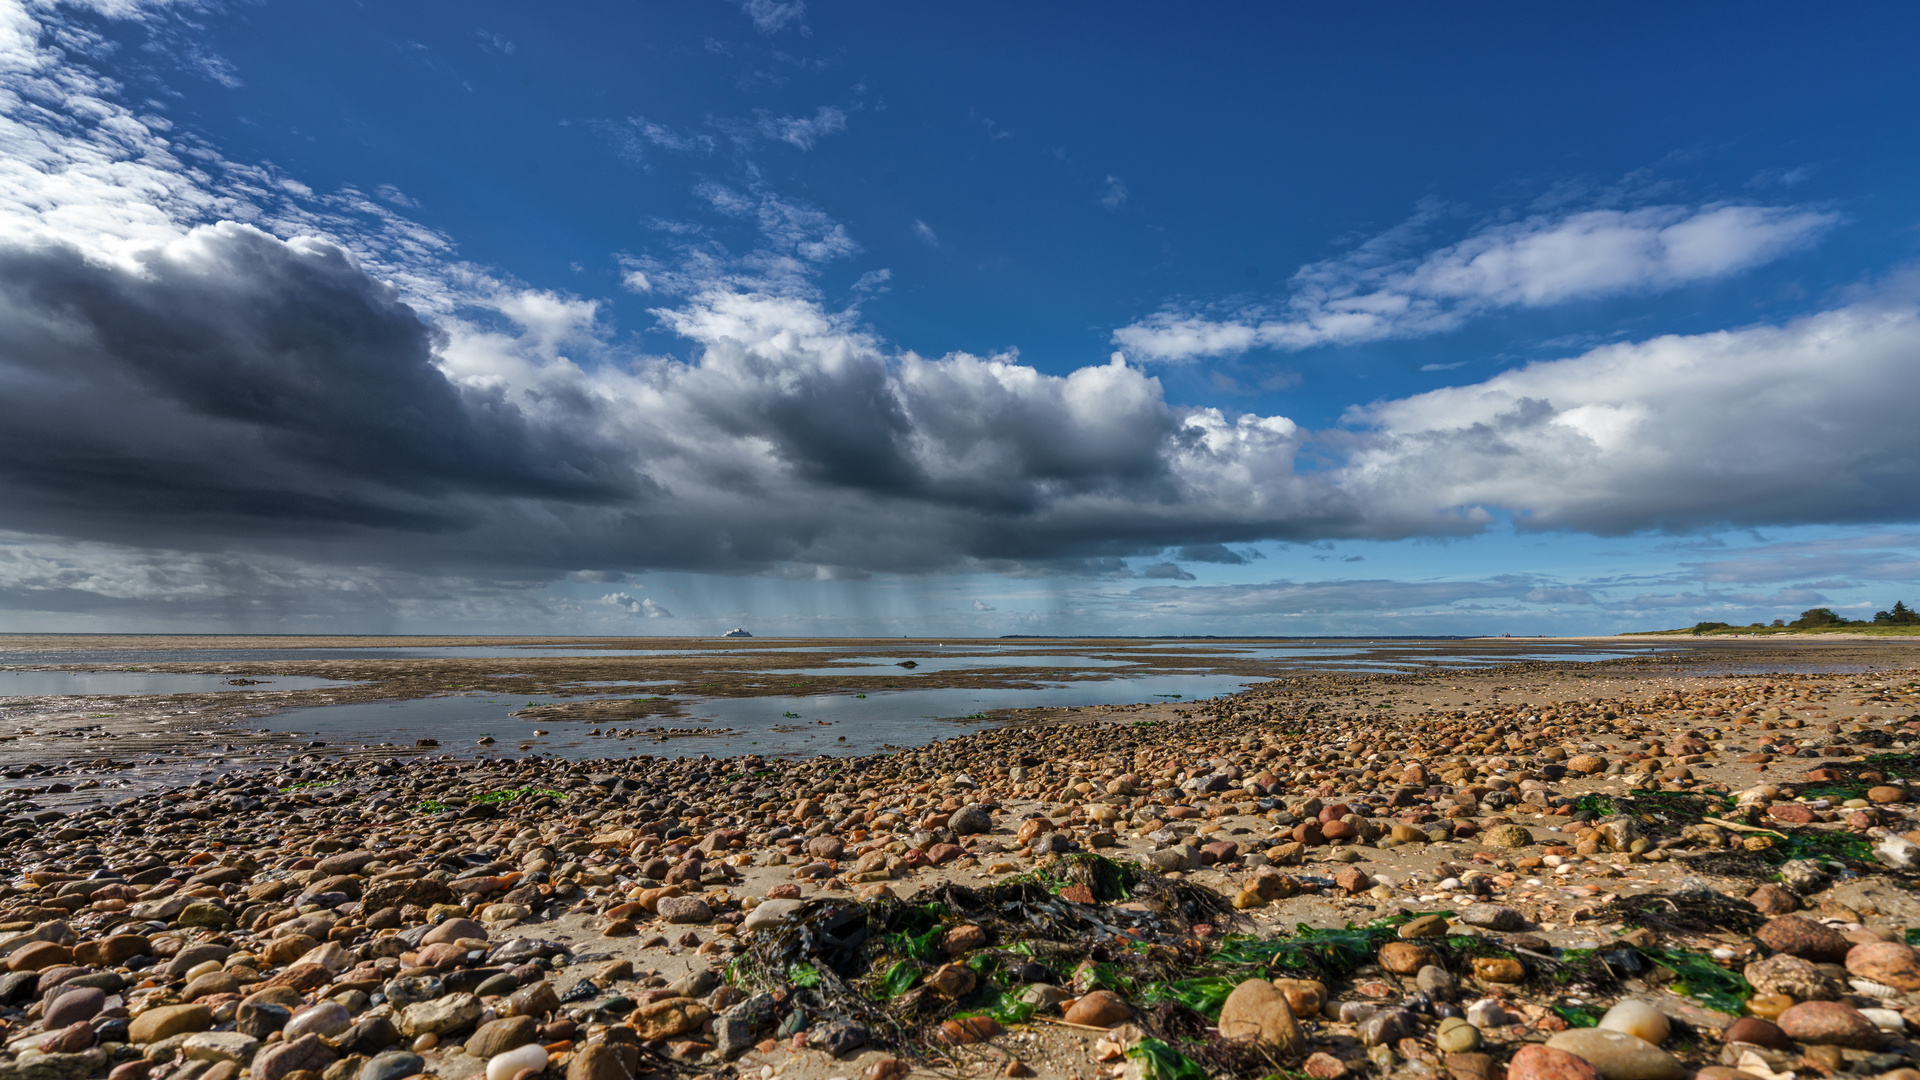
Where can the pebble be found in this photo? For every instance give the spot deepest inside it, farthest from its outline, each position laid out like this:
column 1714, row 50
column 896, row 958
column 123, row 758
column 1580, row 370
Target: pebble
column 1455, row 1035
column 324, row 1018
column 1406, row 958
column 1618, row 1055
column 1829, row 1023
column 1102, row 1008
column 1437, row 983
column 1498, row 917
column 1385, row 1028
column 1639, row 1019
column 1536, row 1061
column 1804, row 938
column 1885, row 962
column 395, row 1064
column 165, row 1021
column 1498, row 969
column 1306, row 997
column 1260, row 1011
column 1786, row 976
column 1487, row 1013
column 1758, row 1032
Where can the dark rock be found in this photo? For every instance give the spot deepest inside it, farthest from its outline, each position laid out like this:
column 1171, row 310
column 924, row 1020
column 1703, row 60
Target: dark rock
column 259, row 1019
column 838, row 1037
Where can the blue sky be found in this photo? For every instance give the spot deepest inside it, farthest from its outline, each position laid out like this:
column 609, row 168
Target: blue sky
column 840, row 320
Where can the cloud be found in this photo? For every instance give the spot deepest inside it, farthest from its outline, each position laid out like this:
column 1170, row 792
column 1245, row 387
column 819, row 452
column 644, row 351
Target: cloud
column 772, row 16
column 235, row 376
column 924, row 232
column 800, row 132
column 1114, row 195
column 1875, row 557
column 1349, row 596
column 981, row 605
column 1212, row 553
column 1375, row 292
column 636, row 605
column 1770, row 425
column 1166, row 571
column 790, row 227
column 639, row 129
column 1784, row 599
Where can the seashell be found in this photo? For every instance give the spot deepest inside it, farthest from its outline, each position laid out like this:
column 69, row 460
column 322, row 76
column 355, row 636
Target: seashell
column 1873, row 989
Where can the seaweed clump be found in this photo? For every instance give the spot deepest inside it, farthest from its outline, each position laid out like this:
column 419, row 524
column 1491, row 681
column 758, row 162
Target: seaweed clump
column 1699, row 911
column 885, row 965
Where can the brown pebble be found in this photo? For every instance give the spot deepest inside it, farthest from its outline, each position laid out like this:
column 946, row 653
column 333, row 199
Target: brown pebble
column 1100, row 1008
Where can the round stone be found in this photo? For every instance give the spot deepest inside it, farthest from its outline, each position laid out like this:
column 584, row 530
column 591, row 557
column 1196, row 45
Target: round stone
column 1406, row 958
column 1101, row 1008
column 1259, row 1010
column 1456, row 1036
column 1804, row 938
column 1886, row 962
column 1790, row 977
column 1618, row 1055
column 1829, row 1023
column 1757, row 1032
column 1507, row 837
column 1639, row 1019
column 1539, row 1062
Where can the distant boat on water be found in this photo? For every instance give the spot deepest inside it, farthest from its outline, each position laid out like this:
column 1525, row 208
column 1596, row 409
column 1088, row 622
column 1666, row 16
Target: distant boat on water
column 736, row 632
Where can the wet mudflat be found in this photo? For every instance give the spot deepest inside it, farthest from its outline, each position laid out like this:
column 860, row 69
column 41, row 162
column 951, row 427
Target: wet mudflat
column 688, row 696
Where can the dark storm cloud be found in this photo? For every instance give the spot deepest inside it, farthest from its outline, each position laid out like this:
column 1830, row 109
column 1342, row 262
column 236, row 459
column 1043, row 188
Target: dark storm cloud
column 1212, row 553
column 240, row 382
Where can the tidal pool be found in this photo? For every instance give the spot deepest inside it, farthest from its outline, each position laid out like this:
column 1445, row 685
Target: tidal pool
column 833, row 723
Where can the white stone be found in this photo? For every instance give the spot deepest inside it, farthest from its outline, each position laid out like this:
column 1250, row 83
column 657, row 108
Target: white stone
column 505, row 1066
column 1896, row 851
column 1639, row 1019
column 1487, row 1013
column 1885, row 1020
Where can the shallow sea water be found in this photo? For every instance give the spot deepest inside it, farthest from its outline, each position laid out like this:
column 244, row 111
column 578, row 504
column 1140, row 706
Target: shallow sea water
column 813, row 724
column 1077, row 674
column 96, row 683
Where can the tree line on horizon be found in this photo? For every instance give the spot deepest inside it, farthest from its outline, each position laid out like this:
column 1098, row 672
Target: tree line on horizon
column 1826, row 618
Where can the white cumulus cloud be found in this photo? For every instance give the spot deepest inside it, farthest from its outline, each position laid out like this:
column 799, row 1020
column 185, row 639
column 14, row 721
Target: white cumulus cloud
column 1374, row 292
